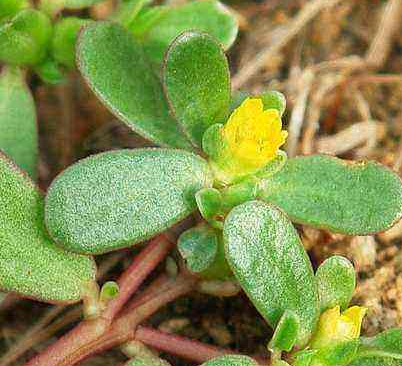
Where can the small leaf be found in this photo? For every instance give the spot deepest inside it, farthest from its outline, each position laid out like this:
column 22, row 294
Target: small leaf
column 147, row 361
column 268, row 259
column 336, row 280
column 128, row 10
column 25, row 38
column 196, row 79
column 356, row 198
column 31, row 264
column 9, row 8
column 202, row 248
column 64, row 39
column 18, row 129
column 340, row 354
column 286, row 333
column 119, row 198
column 231, row 360
column 208, row 16
column 115, row 67
column 209, row 202
column 50, row 72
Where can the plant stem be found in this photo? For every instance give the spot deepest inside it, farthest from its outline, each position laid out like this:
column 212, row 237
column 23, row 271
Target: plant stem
column 141, row 267
column 82, row 338
column 185, row 348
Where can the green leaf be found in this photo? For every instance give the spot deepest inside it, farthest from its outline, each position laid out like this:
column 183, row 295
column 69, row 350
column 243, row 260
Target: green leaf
column 386, row 344
column 168, row 22
column 209, row 202
column 197, row 85
column 147, row 361
column 9, row 8
column 356, row 198
column 286, row 333
column 231, row 360
column 340, row 354
column 115, row 67
column 375, row 361
column 269, row 261
column 18, row 129
column 25, row 38
column 64, row 39
column 336, row 281
column 271, row 99
column 52, row 7
column 31, row 264
column 202, row 249
column 128, row 10
column 119, row 198
column 50, row 72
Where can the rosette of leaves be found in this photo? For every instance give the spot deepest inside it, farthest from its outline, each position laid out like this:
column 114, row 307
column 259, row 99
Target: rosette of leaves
column 119, row 198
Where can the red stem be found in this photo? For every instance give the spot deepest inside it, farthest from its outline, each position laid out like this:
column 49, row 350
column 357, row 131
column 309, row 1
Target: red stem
column 89, row 331
column 132, row 278
column 185, row 348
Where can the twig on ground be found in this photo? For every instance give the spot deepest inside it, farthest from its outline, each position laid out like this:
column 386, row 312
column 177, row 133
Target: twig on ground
column 309, row 11
column 298, row 112
column 390, row 23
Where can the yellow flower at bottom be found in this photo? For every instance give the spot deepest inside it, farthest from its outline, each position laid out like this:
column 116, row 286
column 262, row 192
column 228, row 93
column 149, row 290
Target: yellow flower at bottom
column 253, row 136
column 335, row 326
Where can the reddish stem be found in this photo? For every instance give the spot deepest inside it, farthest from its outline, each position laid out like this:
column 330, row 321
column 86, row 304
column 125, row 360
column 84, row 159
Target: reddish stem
column 122, row 329
column 138, row 271
column 186, row 348
column 88, row 332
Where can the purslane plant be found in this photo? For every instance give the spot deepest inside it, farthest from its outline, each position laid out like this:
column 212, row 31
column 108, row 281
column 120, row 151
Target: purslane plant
column 221, row 154
column 42, row 40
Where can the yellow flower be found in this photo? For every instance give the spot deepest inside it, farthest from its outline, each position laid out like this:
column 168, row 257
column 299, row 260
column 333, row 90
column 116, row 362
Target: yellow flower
column 335, row 326
column 253, row 136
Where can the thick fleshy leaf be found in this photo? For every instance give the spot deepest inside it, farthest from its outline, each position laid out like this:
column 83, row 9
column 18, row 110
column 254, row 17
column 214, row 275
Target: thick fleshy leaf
column 18, row 129
column 197, row 85
column 336, row 281
column 286, row 332
column 64, row 40
column 116, row 68
column 167, row 23
column 8, row 8
column 388, row 343
column 30, row 262
column 269, row 261
column 356, row 198
column 119, row 198
column 202, row 249
column 340, row 354
column 25, row 38
column 231, row 360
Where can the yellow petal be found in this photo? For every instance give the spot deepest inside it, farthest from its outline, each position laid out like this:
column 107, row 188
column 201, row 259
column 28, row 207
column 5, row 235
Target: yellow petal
column 355, row 314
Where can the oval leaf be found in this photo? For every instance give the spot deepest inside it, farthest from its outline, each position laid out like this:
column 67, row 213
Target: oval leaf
column 356, row 198
column 197, row 85
column 231, row 360
column 208, row 16
column 119, row 198
column 30, row 263
column 115, row 67
column 25, row 38
column 18, row 129
column 336, row 281
column 269, row 261
column 388, row 343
